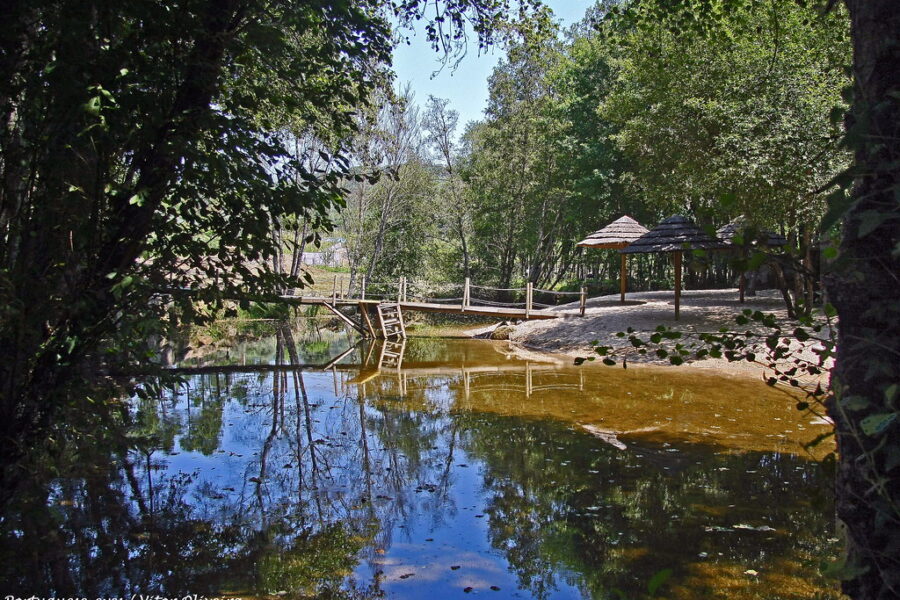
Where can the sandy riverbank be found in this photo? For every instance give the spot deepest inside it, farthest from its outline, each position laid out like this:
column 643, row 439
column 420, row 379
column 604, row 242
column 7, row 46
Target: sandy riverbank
column 701, row 311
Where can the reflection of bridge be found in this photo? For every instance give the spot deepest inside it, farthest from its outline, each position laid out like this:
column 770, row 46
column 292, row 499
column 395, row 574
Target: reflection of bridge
column 386, row 359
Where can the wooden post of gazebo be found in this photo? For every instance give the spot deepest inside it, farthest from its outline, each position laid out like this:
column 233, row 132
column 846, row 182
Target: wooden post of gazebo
column 677, row 260
column 676, row 234
column 616, row 236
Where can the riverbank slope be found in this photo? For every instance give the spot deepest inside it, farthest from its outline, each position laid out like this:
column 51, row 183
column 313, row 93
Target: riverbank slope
column 701, row 311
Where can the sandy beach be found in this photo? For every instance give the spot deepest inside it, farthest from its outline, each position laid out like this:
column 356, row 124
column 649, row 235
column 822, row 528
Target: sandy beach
column 701, row 311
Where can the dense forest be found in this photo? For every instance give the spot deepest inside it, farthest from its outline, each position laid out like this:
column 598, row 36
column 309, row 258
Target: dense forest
column 620, row 114
column 150, row 148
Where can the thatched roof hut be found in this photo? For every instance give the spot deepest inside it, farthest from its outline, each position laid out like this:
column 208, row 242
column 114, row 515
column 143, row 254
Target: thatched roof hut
column 675, row 234
column 727, row 233
column 616, row 235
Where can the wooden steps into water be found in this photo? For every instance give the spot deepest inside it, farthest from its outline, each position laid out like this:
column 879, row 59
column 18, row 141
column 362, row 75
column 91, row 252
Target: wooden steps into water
column 390, row 316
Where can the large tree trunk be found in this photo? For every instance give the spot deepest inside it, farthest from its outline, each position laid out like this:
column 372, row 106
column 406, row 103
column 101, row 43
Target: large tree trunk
column 864, row 288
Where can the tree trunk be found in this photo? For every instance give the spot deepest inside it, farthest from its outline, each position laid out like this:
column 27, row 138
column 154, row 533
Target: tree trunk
column 863, row 287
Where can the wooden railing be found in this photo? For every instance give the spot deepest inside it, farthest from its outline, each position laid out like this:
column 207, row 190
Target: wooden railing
column 465, row 295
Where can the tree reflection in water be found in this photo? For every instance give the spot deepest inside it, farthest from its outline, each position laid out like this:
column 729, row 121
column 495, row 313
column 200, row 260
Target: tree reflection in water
column 420, row 480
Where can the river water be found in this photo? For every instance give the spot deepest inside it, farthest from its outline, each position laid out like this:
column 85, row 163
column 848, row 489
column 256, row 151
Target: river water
column 463, row 470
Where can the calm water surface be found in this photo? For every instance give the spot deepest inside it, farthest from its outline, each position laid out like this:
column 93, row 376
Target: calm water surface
column 465, row 471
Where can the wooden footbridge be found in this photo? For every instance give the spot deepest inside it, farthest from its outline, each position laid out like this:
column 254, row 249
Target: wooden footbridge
column 381, row 314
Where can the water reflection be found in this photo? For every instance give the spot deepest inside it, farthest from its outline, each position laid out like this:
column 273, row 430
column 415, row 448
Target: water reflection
column 450, row 466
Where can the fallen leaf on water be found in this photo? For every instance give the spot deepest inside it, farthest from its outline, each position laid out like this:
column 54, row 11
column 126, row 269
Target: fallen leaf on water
column 752, row 528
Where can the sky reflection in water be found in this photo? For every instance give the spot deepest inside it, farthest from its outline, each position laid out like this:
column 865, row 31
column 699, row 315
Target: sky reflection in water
column 465, row 471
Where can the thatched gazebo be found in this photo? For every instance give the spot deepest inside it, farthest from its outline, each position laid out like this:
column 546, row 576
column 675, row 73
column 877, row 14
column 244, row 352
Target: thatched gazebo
column 674, row 235
column 728, row 233
column 616, row 236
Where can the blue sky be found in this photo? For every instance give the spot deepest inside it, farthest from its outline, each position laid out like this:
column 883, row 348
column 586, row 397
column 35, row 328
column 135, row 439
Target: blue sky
column 466, row 86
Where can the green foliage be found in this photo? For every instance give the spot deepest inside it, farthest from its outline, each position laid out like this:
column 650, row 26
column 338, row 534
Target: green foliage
column 389, row 221
column 314, row 566
column 156, row 147
column 738, row 107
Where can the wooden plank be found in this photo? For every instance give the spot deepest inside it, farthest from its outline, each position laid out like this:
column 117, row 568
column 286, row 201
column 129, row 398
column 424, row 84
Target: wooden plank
column 345, row 318
column 364, row 376
column 529, row 290
column 364, row 311
column 677, row 284
column 338, row 358
column 493, row 311
column 381, row 320
column 466, row 295
column 368, row 355
column 402, row 324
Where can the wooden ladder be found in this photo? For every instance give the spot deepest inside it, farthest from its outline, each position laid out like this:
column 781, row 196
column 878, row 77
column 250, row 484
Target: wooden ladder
column 390, row 318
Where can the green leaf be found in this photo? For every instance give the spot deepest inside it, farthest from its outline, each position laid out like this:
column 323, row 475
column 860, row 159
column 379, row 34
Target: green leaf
column 609, row 362
column 829, row 310
column 92, row 106
column 855, row 402
column 875, row 425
